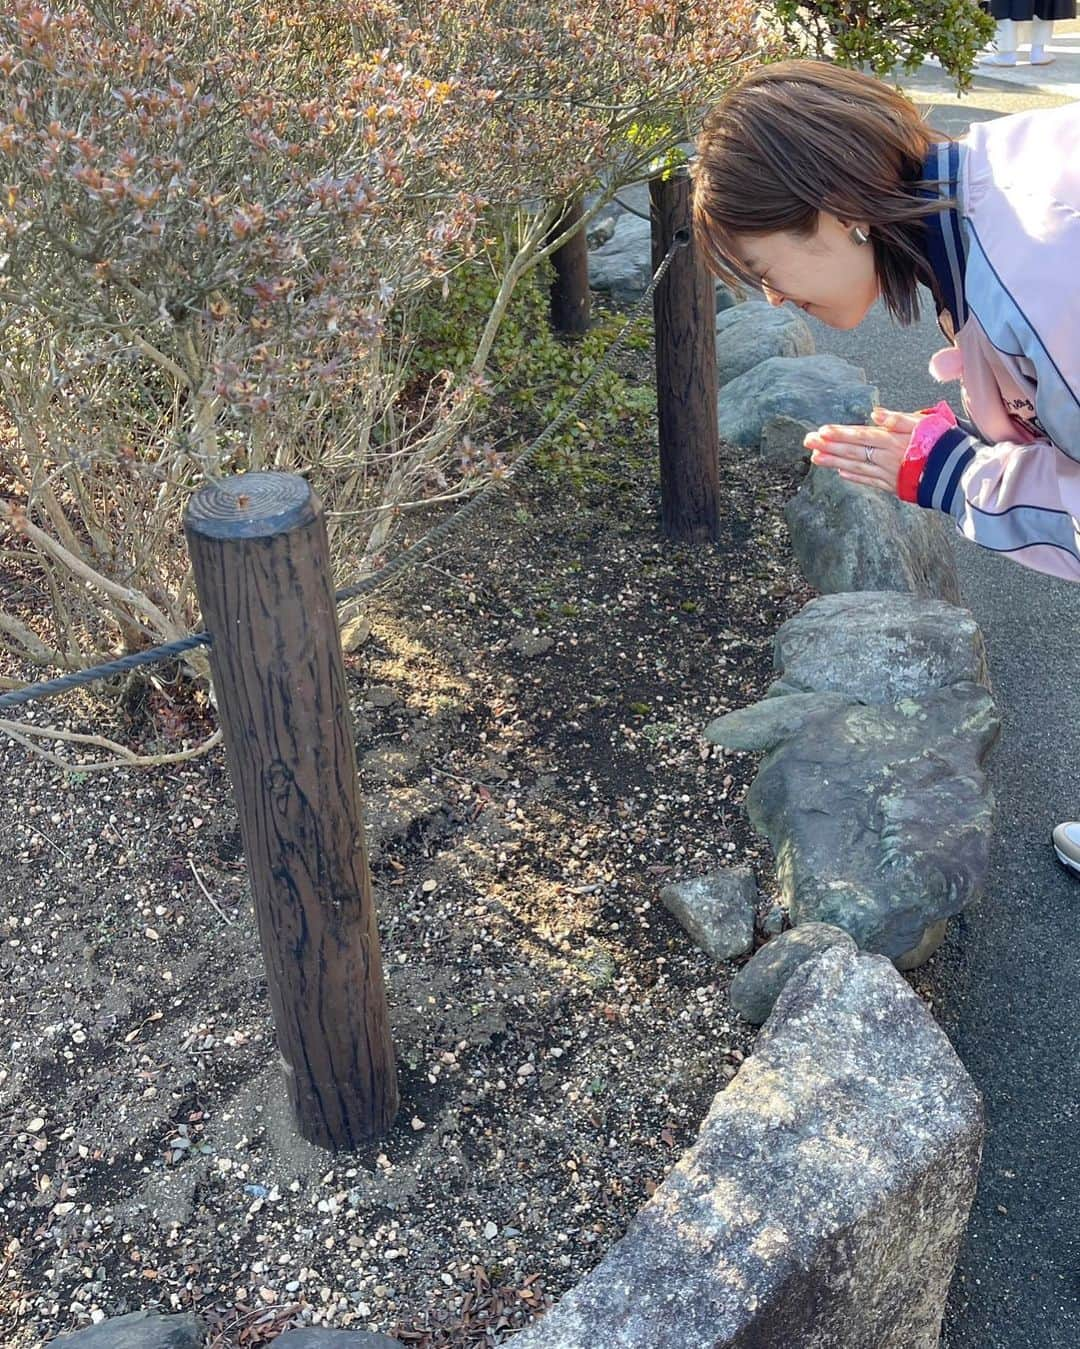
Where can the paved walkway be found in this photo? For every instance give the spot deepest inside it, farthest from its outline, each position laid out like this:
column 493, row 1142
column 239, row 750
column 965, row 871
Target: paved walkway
column 1008, row 979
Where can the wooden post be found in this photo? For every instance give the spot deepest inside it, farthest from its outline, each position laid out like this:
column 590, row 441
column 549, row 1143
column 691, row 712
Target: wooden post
column 262, row 568
column 684, row 312
column 570, row 307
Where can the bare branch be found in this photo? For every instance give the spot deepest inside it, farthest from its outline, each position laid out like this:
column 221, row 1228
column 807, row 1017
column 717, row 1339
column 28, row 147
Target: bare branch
column 25, row 735
column 126, row 596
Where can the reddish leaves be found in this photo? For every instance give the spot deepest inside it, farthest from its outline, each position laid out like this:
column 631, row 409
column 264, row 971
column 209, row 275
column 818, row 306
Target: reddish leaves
column 486, row 1312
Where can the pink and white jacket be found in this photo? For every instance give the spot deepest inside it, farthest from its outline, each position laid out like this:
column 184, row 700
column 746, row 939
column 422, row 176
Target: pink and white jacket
column 1007, row 263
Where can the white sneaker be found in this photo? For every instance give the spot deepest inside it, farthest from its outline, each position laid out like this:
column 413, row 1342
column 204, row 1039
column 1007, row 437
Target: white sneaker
column 1039, row 57
column 998, row 59
column 1066, row 838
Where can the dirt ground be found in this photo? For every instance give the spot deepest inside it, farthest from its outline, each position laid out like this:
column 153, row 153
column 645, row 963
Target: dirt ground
column 529, row 713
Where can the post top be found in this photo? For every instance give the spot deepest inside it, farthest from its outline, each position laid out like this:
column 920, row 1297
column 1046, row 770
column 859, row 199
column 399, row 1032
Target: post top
column 251, row 505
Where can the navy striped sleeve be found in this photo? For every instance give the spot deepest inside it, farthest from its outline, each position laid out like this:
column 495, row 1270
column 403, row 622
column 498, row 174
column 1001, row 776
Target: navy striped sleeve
column 941, row 476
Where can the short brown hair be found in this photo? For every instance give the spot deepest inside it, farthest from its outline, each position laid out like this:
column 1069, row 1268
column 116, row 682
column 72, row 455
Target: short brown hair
column 799, row 137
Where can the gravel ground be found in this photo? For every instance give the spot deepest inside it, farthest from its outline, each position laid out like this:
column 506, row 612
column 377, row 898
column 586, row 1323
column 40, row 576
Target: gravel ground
column 529, row 715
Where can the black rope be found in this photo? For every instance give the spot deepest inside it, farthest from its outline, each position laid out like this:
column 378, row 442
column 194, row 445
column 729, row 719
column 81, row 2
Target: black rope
column 49, row 688
column 632, row 210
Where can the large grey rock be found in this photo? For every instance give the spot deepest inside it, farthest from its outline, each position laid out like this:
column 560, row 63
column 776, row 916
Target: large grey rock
column 780, row 688
column 750, row 333
column 919, row 955
column 814, row 389
column 759, row 983
column 717, row 910
column 725, row 297
column 620, row 261
column 322, row 1338
column 782, row 442
column 623, row 266
column 880, row 817
column 138, row 1330
column 878, row 646
column 765, row 724
column 848, row 537
column 824, row 1200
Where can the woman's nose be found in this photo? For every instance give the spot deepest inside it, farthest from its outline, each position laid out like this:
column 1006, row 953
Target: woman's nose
column 773, row 296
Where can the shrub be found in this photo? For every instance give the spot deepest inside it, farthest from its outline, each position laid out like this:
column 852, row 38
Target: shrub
column 883, row 34
column 222, row 225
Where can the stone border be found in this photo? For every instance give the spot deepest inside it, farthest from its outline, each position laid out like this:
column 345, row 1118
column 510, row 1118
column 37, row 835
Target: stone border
column 848, row 541
column 812, row 1206
column 823, row 1203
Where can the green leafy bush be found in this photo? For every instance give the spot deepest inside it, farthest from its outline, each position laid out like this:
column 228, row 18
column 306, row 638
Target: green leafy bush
column 532, row 370
column 883, row 34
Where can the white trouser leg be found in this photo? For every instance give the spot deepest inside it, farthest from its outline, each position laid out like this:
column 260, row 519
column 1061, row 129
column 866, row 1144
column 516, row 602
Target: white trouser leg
column 1042, row 30
column 1006, row 36
column 1005, row 41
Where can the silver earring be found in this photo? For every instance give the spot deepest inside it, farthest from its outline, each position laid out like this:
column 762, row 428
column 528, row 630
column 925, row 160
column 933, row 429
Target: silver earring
column 859, row 236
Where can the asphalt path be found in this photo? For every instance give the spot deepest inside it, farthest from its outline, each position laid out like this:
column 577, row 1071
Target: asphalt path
column 1007, row 981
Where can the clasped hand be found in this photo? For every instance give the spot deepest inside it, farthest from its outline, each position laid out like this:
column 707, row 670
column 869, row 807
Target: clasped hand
column 844, row 448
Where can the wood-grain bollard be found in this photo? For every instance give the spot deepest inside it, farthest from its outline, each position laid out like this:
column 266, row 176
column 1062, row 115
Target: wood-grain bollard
column 262, row 568
column 570, row 300
column 684, row 312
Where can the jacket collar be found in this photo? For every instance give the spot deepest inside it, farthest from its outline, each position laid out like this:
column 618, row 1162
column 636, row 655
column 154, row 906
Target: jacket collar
column 945, row 241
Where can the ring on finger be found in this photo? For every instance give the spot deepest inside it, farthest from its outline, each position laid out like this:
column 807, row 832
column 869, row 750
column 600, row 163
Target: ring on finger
column 868, row 450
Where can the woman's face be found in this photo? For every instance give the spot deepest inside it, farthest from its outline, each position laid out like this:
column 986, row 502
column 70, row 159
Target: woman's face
column 826, row 273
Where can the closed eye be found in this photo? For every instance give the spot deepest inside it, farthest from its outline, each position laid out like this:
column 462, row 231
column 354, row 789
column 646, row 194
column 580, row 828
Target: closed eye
column 750, row 273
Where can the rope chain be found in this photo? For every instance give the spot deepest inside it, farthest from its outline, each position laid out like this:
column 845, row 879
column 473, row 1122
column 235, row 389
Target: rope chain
column 50, row 688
